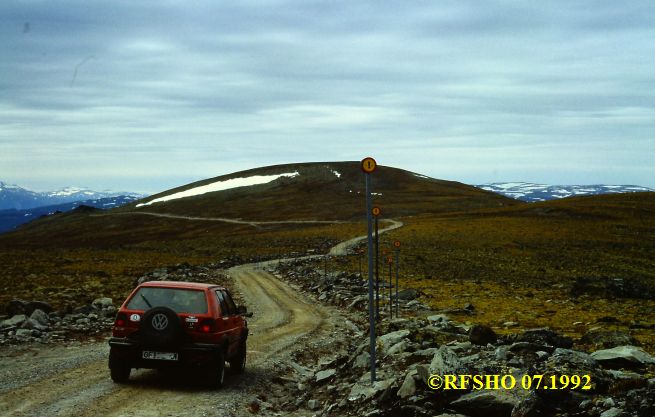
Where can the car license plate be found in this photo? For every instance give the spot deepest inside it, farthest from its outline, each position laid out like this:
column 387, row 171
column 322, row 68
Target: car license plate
column 162, row 356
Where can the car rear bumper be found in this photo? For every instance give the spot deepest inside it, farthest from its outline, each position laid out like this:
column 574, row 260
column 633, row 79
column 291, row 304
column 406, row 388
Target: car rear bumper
column 129, row 353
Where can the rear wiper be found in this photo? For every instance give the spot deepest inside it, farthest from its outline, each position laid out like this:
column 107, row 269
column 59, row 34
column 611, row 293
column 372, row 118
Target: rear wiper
column 146, row 300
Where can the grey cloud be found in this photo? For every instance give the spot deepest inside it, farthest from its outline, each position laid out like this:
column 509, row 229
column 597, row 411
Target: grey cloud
column 489, row 84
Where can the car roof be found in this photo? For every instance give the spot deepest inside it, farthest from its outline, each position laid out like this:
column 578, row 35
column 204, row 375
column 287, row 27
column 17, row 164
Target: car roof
column 181, row 284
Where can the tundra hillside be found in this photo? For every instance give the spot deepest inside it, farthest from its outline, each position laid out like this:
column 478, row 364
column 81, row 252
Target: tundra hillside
column 571, row 264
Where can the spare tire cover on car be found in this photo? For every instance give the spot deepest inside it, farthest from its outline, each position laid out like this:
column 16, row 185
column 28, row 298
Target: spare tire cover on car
column 161, row 326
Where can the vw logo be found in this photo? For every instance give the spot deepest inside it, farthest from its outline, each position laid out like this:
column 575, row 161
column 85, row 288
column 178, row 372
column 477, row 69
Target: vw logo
column 159, row 321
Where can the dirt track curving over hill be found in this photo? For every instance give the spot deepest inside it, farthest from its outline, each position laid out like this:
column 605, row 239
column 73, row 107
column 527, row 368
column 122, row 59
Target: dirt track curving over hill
column 74, row 380
column 254, row 223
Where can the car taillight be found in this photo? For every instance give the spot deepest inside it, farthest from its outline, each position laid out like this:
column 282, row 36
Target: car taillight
column 121, row 320
column 206, row 326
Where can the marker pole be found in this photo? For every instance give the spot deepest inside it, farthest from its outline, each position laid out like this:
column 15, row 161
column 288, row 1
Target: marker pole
column 377, row 272
column 369, row 222
column 397, row 264
column 390, row 289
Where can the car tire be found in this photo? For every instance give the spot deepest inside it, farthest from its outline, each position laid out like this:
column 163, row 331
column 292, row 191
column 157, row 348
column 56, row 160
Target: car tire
column 238, row 363
column 120, row 374
column 216, row 376
column 169, row 336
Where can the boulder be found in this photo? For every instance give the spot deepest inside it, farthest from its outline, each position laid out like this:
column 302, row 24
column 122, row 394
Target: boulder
column 23, row 333
column 362, row 390
column 399, row 347
column 102, row 302
column 325, row 375
column 408, row 294
column 623, row 357
column 358, row 302
column 482, row 335
column 445, row 361
column 40, row 305
column 41, row 317
column 489, row 403
column 16, row 307
column 608, row 339
column 545, row 337
column 33, row 324
column 408, row 388
column 530, row 406
column 390, row 339
column 15, row 321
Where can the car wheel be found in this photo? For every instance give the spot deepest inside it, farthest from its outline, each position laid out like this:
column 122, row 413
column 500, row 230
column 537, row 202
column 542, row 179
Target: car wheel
column 216, row 376
column 238, row 363
column 120, row 374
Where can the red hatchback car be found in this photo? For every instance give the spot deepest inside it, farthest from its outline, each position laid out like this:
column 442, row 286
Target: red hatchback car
column 168, row 324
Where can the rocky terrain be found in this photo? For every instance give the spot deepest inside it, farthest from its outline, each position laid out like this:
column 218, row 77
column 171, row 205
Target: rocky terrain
column 327, row 374
column 422, row 343
column 38, row 322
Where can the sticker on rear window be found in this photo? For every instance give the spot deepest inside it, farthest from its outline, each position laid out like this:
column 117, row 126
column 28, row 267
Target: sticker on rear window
column 135, row 317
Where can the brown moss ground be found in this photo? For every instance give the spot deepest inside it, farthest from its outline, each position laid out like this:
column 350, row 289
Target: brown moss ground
column 514, row 263
column 520, row 264
column 72, row 271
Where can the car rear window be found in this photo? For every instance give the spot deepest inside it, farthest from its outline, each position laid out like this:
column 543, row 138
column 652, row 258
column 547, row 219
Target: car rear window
column 177, row 299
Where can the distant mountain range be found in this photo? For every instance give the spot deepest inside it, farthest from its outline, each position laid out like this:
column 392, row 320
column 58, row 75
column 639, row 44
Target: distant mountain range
column 19, row 205
column 18, row 198
column 10, row 219
column 530, row 192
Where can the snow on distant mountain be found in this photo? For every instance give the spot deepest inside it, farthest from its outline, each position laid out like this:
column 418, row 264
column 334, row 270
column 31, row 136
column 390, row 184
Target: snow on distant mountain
column 10, row 219
column 18, row 198
column 530, row 192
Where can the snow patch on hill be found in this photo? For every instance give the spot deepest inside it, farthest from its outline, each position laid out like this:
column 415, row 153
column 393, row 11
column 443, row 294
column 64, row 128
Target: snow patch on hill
column 221, row 186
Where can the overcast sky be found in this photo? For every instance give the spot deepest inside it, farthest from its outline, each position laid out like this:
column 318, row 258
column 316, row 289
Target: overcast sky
column 144, row 96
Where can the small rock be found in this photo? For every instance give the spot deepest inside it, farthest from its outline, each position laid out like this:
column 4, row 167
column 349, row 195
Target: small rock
column 322, row 376
column 612, row 412
column 363, row 360
column 23, row 333
column 313, row 405
column 438, row 319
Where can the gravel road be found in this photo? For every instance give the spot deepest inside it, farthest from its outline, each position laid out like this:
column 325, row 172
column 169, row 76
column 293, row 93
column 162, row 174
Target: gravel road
column 74, row 380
